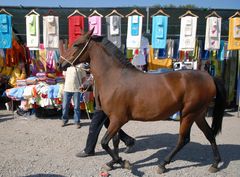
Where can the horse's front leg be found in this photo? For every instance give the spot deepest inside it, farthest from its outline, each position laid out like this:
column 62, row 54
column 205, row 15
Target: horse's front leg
column 116, row 141
column 111, row 132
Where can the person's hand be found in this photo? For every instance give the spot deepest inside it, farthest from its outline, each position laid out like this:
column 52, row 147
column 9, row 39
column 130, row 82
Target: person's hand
column 81, row 88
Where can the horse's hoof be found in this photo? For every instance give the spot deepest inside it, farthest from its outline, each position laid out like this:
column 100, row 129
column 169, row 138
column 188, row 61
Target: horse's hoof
column 127, row 165
column 106, row 168
column 213, row 169
column 161, row 169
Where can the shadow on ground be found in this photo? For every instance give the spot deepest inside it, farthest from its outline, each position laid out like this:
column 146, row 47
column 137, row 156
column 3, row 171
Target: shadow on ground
column 6, row 117
column 44, row 175
column 200, row 154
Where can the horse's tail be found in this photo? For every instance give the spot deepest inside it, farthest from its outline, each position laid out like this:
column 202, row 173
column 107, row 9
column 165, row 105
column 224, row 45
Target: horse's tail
column 220, row 104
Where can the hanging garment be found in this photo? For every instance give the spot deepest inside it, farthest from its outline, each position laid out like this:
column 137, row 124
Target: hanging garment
column 51, row 32
column 114, row 30
column 75, row 27
column 188, row 33
column 213, row 33
column 154, row 64
column 32, row 31
column 139, row 58
column 170, row 48
column 159, row 31
column 134, row 32
column 234, row 34
column 96, row 23
column 221, row 51
column 5, row 31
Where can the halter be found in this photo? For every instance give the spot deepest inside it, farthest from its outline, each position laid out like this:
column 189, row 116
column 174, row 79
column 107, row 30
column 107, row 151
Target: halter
column 85, row 46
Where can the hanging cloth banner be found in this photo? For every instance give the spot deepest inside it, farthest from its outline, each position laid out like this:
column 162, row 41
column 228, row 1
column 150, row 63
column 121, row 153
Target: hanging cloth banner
column 134, row 31
column 159, row 31
column 188, row 33
column 96, row 23
column 51, row 32
column 234, row 34
column 75, row 27
column 32, row 31
column 5, row 31
column 213, row 33
column 114, row 29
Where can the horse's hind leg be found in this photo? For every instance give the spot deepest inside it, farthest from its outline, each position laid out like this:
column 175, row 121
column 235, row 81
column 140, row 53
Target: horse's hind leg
column 183, row 138
column 203, row 125
column 111, row 132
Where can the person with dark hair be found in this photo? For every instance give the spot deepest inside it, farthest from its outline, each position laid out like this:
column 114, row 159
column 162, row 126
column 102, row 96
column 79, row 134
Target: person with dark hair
column 4, row 100
column 98, row 120
column 74, row 77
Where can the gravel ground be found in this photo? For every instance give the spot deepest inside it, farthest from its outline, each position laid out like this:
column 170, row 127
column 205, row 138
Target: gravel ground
column 41, row 147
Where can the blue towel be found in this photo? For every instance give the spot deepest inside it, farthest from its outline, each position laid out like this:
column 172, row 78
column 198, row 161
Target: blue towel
column 159, row 32
column 135, row 25
column 5, row 31
column 17, row 93
column 56, row 91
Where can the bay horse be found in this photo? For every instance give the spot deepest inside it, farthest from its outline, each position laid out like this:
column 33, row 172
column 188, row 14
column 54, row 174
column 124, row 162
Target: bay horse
column 127, row 94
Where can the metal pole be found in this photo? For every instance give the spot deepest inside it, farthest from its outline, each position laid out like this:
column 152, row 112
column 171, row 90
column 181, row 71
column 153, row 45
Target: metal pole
column 147, row 26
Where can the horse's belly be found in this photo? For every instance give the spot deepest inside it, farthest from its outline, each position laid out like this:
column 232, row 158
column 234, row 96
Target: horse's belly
column 153, row 114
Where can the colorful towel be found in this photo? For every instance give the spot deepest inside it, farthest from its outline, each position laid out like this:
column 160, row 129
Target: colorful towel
column 159, row 31
column 114, row 30
column 75, row 27
column 96, row 23
column 213, row 33
column 188, row 33
column 33, row 31
column 234, row 34
column 51, row 32
column 134, row 32
column 5, row 31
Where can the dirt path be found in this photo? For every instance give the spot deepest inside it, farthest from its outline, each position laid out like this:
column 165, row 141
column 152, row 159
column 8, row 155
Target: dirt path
column 41, row 147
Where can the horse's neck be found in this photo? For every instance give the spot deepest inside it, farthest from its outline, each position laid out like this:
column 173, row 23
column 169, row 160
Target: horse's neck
column 102, row 65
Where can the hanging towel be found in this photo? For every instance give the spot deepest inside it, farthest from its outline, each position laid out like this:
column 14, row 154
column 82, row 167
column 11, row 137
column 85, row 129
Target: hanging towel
column 32, row 31
column 5, row 31
column 114, row 29
column 159, row 31
column 51, row 32
column 96, row 23
column 234, row 34
column 134, row 32
column 236, row 29
column 213, row 33
column 188, row 33
column 75, row 27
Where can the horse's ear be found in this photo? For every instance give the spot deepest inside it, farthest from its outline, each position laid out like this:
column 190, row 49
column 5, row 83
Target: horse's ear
column 90, row 32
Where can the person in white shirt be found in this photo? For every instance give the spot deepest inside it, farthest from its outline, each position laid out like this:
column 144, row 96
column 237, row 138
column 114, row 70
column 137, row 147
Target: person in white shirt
column 74, row 77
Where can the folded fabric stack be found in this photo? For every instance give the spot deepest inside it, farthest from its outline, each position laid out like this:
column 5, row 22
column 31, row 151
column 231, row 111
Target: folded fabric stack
column 15, row 93
column 60, row 79
column 21, row 82
column 42, row 76
column 50, row 81
column 31, row 80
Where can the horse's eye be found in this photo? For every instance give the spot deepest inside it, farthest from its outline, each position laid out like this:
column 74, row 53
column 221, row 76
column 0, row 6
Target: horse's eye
column 75, row 45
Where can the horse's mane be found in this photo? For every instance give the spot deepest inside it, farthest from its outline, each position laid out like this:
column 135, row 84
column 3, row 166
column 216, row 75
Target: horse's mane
column 113, row 50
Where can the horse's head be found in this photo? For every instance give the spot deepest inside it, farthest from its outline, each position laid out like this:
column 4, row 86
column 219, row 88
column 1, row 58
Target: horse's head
column 77, row 53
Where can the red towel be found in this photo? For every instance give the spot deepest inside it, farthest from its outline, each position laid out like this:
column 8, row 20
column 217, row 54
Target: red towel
column 75, row 27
